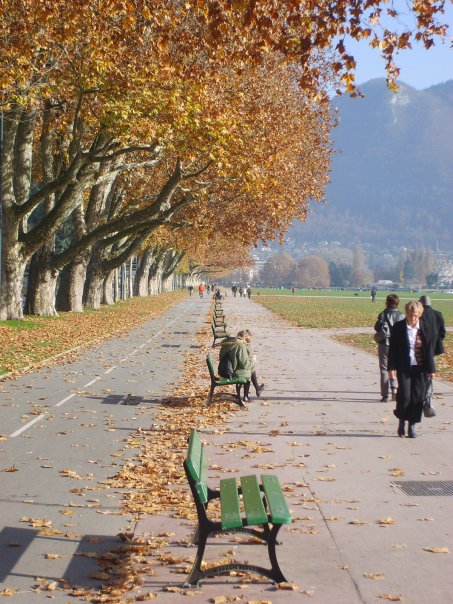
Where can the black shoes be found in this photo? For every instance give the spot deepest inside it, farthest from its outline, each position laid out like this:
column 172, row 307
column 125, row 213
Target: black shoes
column 410, row 429
column 384, row 399
column 260, row 390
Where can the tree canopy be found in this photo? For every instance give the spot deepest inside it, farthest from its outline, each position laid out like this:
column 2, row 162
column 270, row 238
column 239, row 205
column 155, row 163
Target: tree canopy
column 123, row 116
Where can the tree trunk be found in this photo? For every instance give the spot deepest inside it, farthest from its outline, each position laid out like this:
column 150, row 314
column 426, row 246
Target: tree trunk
column 141, row 276
column 155, row 282
column 70, row 290
column 11, row 286
column 41, row 287
column 130, row 289
column 116, row 293
column 93, row 290
column 107, row 295
column 123, row 281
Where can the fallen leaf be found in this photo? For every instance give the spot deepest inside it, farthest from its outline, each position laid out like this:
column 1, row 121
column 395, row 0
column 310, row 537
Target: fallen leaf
column 385, row 521
column 437, row 550
column 375, row 576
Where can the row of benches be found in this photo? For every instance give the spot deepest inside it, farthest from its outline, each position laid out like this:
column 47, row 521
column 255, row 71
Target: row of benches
column 249, row 504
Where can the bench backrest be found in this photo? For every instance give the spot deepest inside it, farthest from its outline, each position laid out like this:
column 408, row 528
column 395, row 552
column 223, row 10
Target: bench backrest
column 197, row 466
column 210, row 366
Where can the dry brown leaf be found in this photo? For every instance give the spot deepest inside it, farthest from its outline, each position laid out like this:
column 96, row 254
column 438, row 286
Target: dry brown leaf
column 10, row 469
column 391, row 597
column 100, row 576
column 385, row 521
column 437, row 550
column 7, row 592
column 145, row 597
column 374, row 576
column 52, row 556
column 287, row 586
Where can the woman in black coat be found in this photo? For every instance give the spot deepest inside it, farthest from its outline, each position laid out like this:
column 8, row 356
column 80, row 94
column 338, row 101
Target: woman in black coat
column 411, row 361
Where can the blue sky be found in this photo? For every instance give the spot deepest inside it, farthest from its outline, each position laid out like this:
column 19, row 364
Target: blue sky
column 419, row 67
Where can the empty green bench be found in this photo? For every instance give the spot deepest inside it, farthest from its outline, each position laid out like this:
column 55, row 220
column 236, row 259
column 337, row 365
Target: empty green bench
column 220, row 381
column 263, row 505
column 218, row 335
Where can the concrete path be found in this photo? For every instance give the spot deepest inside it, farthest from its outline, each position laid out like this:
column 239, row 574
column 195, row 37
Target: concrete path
column 62, row 433
column 360, row 535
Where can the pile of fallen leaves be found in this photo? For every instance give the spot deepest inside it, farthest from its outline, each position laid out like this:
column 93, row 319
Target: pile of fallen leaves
column 35, row 339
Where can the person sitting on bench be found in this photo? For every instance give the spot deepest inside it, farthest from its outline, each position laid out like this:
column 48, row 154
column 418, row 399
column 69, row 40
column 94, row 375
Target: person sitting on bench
column 246, row 335
column 234, row 360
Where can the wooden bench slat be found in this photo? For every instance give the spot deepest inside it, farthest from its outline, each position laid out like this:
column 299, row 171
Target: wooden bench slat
column 253, row 503
column 278, row 508
column 229, row 500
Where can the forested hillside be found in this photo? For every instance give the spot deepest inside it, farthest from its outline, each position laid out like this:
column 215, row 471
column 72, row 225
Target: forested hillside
column 392, row 176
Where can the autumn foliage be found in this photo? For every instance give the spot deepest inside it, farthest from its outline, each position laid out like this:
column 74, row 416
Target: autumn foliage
column 122, row 116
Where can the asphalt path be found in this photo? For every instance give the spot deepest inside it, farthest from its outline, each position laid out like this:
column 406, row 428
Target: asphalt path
column 63, row 433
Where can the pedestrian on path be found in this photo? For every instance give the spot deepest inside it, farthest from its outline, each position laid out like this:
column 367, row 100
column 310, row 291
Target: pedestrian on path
column 436, row 324
column 411, row 361
column 201, row 290
column 388, row 317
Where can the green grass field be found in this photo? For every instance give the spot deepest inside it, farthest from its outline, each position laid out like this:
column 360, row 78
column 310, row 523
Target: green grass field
column 325, row 310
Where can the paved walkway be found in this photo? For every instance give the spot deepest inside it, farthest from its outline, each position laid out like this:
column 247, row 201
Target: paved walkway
column 357, row 537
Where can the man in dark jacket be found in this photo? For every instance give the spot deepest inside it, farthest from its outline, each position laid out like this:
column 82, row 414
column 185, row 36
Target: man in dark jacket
column 434, row 321
column 411, row 360
column 436, row 324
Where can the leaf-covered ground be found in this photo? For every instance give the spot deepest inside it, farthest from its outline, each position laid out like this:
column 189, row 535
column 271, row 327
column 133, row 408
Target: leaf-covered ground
column 35, row 339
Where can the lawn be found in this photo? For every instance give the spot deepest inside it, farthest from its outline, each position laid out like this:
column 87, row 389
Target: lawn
column 310, row 310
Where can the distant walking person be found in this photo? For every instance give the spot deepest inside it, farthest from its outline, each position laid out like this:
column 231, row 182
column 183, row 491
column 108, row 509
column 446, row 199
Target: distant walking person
column 249, row 292
column 386, row 319
column 373, row 294
column 201, row 290
column 411, row 361
column 190, row 289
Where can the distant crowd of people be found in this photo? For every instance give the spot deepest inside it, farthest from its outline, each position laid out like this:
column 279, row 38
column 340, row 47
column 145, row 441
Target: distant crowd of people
column 219, row 294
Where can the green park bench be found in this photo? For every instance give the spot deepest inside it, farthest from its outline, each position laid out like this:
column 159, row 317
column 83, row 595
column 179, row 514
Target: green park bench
column 218, row 335
column 220, row 381
column 263, row 504
column 219, row 322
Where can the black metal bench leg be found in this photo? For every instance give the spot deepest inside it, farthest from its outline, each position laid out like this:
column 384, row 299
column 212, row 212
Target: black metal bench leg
column 211, row 392
column 277, row 574
column 196, row 573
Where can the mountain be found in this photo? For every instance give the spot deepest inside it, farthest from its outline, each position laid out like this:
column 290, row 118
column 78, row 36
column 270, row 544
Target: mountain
column 392, row 173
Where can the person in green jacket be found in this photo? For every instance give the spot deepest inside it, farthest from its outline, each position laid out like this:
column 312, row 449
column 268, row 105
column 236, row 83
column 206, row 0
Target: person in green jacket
column 234, row 360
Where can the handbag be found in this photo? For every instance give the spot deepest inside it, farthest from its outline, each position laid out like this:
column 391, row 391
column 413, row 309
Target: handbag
column 428, row 409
